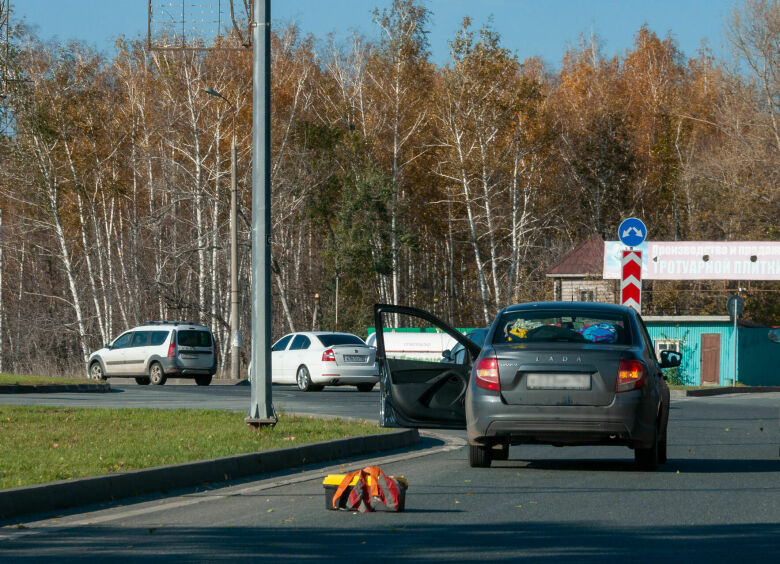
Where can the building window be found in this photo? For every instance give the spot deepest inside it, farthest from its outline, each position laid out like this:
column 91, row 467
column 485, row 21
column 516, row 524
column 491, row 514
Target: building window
column 666, row 345
column 586, row 295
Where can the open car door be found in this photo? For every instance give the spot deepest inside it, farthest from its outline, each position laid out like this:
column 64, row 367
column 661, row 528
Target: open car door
column 418, row 386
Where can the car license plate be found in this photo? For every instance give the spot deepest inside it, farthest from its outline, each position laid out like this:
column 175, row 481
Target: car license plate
column 557, row 381
column 355, row 358
column 189, row 356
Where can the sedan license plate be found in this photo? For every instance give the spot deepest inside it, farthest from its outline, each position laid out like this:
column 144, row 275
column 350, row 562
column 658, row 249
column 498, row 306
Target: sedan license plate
column 355, row 358
column 557, row 381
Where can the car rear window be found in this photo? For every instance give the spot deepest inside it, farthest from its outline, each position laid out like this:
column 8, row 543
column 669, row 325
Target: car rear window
column 555, row 326
column 158, row 337
column 189, row 338
column 332, row 340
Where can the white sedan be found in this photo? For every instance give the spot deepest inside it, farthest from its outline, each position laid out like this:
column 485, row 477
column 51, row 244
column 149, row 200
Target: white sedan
column 314, row 359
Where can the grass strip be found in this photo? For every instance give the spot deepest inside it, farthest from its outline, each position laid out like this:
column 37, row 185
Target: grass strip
column 30, row 380
column 41, row 444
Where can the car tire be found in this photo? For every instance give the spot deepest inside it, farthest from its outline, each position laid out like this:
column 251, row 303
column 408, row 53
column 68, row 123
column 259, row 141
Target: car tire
column 647, row 458
column 501, row 453
column 156, row 375
column 203, row 380
column 303, row 380
column 365, row 387
column 662, row 450
column 96, row 371
column 480, row 456
column 142, row 380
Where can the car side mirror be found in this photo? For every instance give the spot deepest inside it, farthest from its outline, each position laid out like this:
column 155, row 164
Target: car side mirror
column 446, row 354
column 774, row 335
column 670, row 359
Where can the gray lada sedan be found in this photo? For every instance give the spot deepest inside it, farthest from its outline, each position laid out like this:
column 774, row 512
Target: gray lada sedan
column 556, row 373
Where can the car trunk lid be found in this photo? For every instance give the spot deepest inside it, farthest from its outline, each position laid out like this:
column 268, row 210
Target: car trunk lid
column 557, row 374
column 196, row 349
column 354, row 355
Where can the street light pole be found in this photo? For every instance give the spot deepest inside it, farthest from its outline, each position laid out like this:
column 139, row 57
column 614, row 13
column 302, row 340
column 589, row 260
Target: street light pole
column 261, row 411
column 235, row 333
column 235, row 358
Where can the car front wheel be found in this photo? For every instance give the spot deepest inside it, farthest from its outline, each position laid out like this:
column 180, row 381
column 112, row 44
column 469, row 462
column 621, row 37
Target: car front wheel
column 156, row 375
column 96, row 371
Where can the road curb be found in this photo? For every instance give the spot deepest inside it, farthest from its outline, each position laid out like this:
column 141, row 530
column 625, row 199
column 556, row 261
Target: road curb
column 100, row 387
column 732, row 390
column 96, row 489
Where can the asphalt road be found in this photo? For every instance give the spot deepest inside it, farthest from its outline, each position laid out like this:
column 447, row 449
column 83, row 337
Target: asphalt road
column 333, row 401
column 718, row 499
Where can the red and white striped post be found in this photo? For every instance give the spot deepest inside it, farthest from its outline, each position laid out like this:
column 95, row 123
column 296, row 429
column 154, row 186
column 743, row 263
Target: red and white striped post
column 631, row 280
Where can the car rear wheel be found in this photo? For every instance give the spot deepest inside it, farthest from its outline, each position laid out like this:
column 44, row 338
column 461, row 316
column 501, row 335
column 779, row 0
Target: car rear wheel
column 480, row 456
column 96, row 371
column 500, row 452
column 647, row 458
column 365, row 387
column 203, row 380
column 662, row 450
column 303, row 379
column 142, row 380
column 156, row 375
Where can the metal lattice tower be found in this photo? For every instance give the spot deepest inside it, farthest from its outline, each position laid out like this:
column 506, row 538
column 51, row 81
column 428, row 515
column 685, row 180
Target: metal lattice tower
column 199, row 24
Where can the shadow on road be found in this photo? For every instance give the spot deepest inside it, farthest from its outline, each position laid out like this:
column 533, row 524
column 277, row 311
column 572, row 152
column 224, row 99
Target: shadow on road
column 388, row 537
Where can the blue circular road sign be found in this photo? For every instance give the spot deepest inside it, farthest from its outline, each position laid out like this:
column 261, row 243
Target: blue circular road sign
column 632, row 232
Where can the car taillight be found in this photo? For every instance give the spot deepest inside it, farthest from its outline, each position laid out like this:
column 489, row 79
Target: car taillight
column 631, row 375
column 172, row 350
column 486, row 374
column 328, row 356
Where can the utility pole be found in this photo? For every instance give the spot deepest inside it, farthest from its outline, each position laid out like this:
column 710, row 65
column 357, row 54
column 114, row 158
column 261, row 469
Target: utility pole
column 235, row 346
column 261, row 411
column 235, row 333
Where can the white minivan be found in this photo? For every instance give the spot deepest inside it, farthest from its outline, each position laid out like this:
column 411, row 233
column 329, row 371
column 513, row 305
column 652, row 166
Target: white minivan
column 157, row 350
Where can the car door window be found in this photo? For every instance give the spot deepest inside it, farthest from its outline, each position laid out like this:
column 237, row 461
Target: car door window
column 281, row 344
column 301, row 342
column 646, row 339
column 158, row 338
column 140, row 339
column 123, row 341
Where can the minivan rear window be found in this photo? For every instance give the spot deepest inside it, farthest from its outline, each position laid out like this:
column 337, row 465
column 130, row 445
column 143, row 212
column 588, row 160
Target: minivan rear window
column 332, row 340
column 189, row 338
column 559, row 326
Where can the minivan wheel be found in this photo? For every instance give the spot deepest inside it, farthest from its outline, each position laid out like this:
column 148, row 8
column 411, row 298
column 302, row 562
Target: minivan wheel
column 203, row 380
column 480, row 456
column 303, row 379
column 156, row 375
column 96, row 371
column 142, row 380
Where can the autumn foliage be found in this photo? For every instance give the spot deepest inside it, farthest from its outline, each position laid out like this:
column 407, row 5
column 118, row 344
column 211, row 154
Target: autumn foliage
column 452, row 188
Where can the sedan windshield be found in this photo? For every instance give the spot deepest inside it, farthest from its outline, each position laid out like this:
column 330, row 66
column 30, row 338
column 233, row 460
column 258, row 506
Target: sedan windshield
column 340, row 339
column 561, row 326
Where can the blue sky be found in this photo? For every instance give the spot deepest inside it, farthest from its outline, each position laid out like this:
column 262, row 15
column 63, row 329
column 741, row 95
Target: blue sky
column 528, row 28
